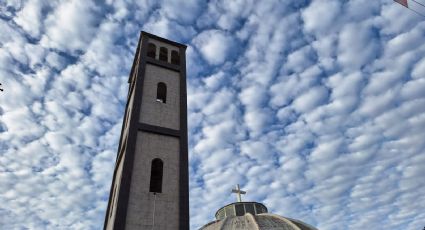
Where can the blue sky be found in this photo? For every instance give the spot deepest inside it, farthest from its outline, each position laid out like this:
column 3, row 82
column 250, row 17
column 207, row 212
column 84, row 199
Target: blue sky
column 315, row 107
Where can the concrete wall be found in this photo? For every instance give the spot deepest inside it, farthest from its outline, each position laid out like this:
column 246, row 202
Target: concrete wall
column 141, row 202
column 156, row 113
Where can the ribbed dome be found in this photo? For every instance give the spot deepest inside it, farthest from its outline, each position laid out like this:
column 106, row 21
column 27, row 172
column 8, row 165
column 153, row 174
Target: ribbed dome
column 265, row 221
column 251, row 216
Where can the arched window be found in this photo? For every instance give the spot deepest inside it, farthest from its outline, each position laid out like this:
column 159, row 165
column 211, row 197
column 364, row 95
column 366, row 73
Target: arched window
column 151, row 50
column 163, row 54
column 156, row 176
column 175, row 59
column 161, row 93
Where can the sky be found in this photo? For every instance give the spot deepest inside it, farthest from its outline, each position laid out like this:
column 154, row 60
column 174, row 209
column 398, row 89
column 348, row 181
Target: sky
column 315, row 107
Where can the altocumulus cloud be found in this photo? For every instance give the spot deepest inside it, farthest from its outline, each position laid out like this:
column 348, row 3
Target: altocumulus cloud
column 317, row 108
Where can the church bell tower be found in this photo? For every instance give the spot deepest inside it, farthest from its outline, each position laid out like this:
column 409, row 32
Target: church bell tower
column 150, row 188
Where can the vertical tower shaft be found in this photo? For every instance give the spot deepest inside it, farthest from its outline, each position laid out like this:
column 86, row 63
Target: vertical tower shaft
column 150, row 188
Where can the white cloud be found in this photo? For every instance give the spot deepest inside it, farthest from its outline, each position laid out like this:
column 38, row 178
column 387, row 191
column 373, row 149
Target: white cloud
column 56, row 61
column 300, row 59
column 413, row 89
column 406, row 19
column 357, row 46
column 404, row 43
column 258, row 150
column 358, row 12
column 376, row 104
column 221, row 101
column 326, row 150
column 30, row 17
column 286, row 88
column 326, row 51
column 183, row 11
column 320, row 16
column 71, row 26
column 102, row 55
column 419, row 70
column 216, row 136
column 215, row 80
column 254, row 96
column 310, row 99
column 214, row 45
column 256, row 120
column 160, row 25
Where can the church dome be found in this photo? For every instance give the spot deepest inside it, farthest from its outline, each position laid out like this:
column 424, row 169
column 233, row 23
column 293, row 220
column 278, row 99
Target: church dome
column 263, row 221
column 252, row 216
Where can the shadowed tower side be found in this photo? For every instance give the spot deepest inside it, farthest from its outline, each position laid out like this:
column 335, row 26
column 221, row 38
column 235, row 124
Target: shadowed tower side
column 150, row 187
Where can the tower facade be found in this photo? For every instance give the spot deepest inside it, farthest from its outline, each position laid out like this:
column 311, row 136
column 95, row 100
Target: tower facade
column 150, row 188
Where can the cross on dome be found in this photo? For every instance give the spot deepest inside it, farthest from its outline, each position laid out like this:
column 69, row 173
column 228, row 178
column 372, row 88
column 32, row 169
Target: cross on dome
column 238, row 192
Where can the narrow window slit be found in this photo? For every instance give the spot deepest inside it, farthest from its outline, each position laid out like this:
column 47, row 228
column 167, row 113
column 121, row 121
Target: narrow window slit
column 156, row 176
column 161, row 93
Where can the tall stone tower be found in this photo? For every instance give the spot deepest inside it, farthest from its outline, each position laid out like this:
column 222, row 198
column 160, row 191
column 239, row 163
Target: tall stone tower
column 150, row 187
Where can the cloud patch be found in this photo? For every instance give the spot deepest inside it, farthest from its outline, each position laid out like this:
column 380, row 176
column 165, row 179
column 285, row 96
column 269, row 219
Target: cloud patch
column 215, row 46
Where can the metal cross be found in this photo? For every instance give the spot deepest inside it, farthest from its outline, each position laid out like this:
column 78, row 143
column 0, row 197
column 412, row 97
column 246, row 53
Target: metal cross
column 238, row 191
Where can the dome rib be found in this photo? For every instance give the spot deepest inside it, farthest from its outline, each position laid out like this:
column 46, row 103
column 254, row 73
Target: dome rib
column 301, row 225
column 288, row 222
column 223, row 223
column 249, row 215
